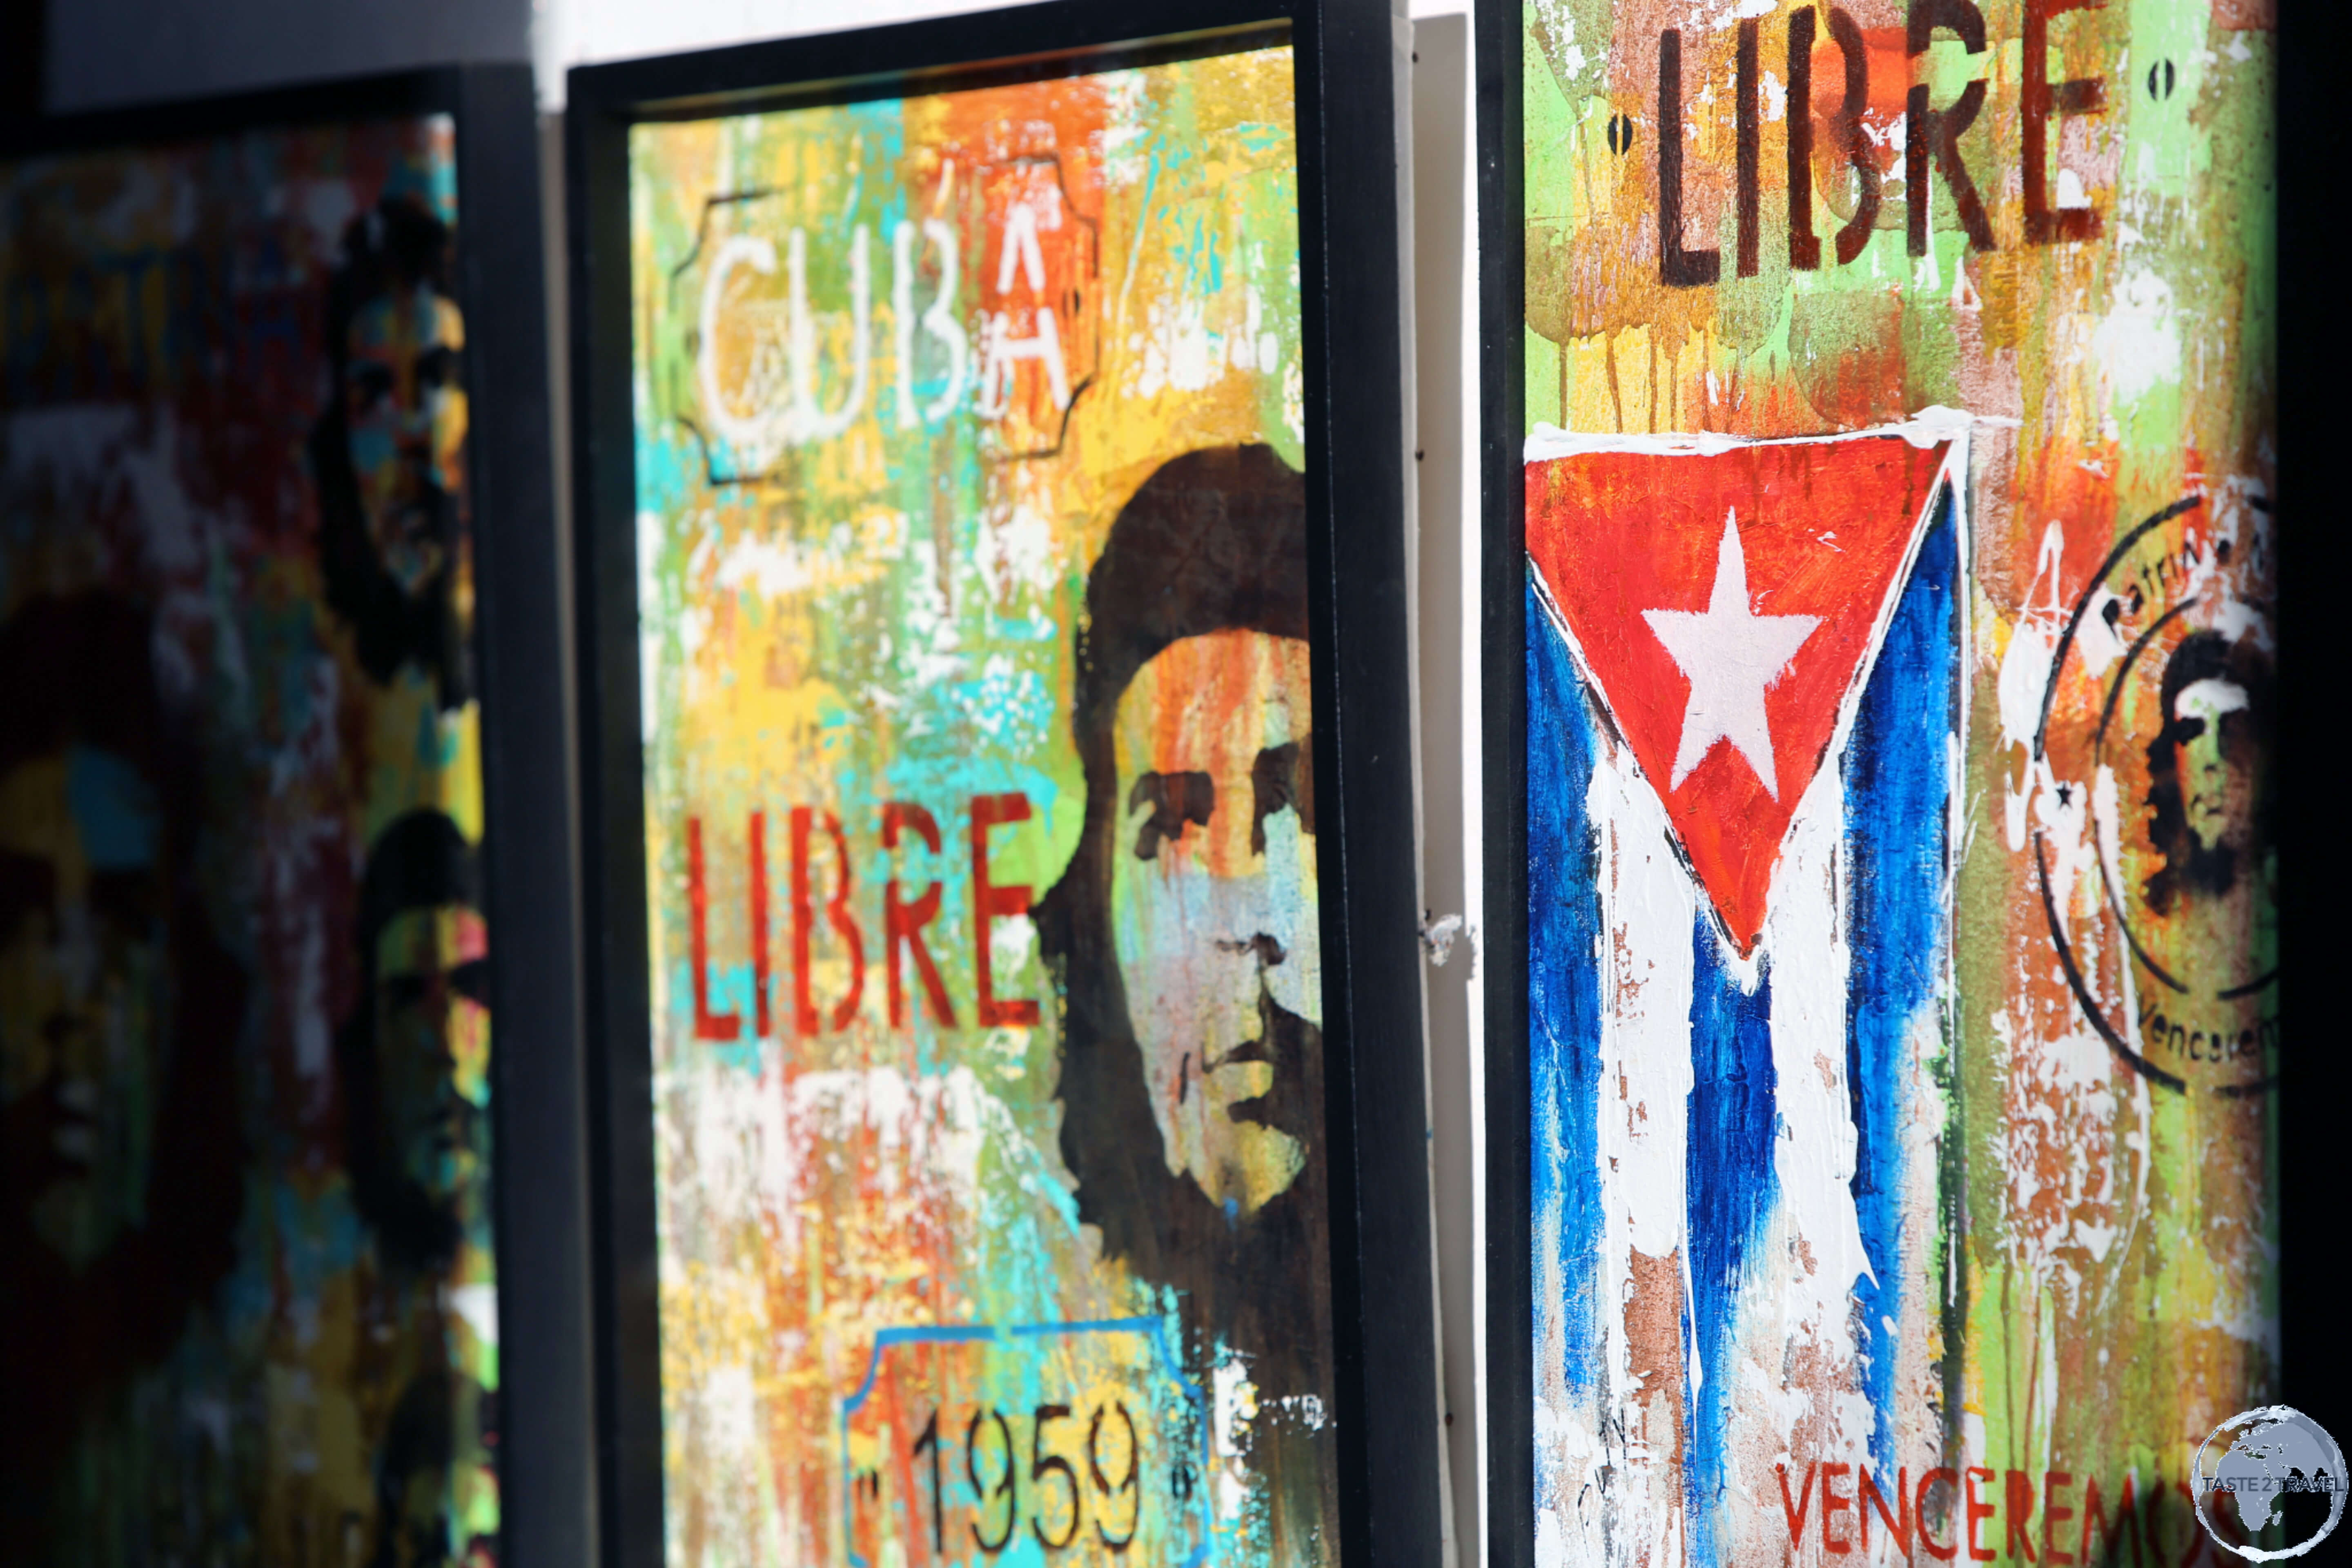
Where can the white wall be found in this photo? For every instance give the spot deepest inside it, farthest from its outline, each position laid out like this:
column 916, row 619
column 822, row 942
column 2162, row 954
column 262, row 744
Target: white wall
column 108, row 52
column 1445, row 560
column 578, row 32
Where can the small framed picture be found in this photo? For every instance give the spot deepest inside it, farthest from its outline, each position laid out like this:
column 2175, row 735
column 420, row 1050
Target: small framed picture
column 1884, row 984
column 284, row 887
column 1004, row 989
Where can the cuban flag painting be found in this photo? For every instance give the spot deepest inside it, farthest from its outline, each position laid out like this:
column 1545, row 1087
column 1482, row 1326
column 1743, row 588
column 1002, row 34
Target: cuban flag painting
column 1745, row 715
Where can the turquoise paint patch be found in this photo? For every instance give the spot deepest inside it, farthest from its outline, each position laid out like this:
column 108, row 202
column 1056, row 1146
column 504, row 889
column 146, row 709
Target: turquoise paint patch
column 114, row 810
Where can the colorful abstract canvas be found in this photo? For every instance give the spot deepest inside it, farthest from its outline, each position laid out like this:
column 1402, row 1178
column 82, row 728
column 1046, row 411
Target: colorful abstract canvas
column 248, row 1291
column 986, row 1030
column 1901, row 975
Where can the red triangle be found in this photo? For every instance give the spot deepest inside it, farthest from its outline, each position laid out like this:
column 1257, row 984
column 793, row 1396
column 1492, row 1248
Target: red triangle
column 1825, row 532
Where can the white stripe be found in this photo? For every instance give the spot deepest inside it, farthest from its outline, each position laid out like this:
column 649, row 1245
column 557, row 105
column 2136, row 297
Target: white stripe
column 1923, row 429
column 1805, row 933
column 1648, row 906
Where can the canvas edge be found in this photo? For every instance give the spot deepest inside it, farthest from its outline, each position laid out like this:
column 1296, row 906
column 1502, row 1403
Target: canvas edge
column 1359, row 452
column 1509, row 1413
column 616, row 1036
column 528, row 850
column 2315, row 1371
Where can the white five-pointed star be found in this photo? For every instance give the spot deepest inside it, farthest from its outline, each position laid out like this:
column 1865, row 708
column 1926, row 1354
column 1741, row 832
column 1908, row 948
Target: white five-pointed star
column 1731, row 656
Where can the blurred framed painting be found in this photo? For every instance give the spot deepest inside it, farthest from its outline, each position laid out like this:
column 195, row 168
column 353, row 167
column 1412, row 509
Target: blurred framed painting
column 274, row 520
column 1007, row 1008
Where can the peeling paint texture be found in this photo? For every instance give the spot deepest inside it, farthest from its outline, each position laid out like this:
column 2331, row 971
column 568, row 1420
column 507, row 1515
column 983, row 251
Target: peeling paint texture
column 1903, row 982
column 979, row 826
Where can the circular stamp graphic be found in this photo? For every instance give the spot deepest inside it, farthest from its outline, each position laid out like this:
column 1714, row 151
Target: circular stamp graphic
column 2157, row 866
column 2269, row 1484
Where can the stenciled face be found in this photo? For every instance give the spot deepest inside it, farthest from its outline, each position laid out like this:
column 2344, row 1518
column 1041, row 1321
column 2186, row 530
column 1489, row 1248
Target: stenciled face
column 405, row 408
column 81, row 970
column 433, row 1045
column 2214, row 761
column 1213, row 901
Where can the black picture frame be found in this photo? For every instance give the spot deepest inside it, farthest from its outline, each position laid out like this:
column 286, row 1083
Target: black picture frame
column 1356, row 445
column 2317, row 1376
column 528, row 841
column 1498, row 40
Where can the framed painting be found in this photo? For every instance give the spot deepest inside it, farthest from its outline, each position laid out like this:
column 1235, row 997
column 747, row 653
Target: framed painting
column 1885, row 1000
column 278, row 639
column 1004, row 1007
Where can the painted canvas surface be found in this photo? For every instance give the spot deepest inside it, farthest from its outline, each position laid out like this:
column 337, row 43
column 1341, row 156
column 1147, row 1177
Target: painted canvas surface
column 1900, row 675
column 980, row 825
column 248, row 1297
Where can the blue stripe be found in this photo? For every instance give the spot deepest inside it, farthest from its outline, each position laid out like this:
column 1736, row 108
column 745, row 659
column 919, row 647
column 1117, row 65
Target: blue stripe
column 1731, row 1187
column 1897, row 795
column 1563, row 1005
